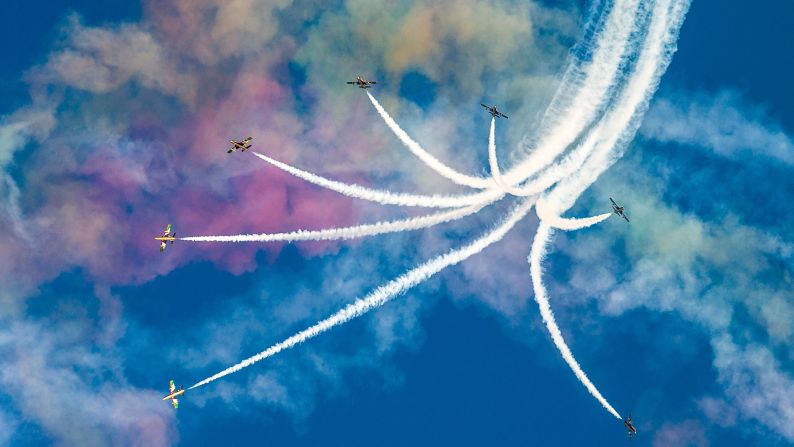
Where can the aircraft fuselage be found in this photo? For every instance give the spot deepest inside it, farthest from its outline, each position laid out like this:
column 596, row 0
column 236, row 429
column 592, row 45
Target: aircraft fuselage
column 175, row 394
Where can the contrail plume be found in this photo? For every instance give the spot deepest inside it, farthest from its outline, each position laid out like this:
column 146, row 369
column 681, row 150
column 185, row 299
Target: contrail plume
column 619, row 126
column 384, row 293
column 599, row 76
column 387, row 197
column 396, row 226
column 535, row 259
column 431, row 161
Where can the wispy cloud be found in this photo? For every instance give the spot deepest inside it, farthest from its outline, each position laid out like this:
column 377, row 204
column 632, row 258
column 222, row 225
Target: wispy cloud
column 727, row 277
column 721, row 122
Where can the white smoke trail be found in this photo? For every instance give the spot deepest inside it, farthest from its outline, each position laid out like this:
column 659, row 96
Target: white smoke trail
column 619, row 126
column 600, row 75
column 573, row 223
column 497, row 175
column 431, row 161
column 535, row 259
column 562, row 223
column 494, row 163
column 413, row 223
column 387, row 197
column 384, row 293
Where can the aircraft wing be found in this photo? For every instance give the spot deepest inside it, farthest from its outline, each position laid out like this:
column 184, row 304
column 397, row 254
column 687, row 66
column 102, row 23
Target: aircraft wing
column 624, row 216
column 351, row 82
column 372, row 82
column 613, row 202
column 167, row 230
column 175, row 403
column 162, row 246
column 231, row 149
column 485, row 106
column 171, row 386
column 502, row 115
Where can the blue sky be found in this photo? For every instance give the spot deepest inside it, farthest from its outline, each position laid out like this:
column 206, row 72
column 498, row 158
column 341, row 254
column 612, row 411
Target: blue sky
column 682, row 317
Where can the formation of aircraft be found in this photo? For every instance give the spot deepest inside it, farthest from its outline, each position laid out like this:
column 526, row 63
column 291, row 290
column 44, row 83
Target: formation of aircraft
column 494, row 111
column 242, row 145
column 174, row 393
column 245, row 144
column 362, row 83
column 619, row 210
column 166, row 237
column 630, row 427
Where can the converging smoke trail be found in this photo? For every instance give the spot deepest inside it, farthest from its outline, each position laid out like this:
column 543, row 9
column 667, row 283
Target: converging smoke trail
column 387, row 197
column 384, row 293
column 620, row 122
column 353, row 232
column 600, row 75
column 619, row 126
column 535, row 259
column 431, row 161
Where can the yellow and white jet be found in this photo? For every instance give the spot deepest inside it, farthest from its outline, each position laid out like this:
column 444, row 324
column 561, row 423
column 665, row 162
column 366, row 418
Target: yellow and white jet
column 242, row 145
column 174, row 394
column 166, row 237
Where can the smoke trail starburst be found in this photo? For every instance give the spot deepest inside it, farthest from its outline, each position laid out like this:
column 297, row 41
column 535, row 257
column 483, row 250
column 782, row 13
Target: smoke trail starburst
column 599, row 104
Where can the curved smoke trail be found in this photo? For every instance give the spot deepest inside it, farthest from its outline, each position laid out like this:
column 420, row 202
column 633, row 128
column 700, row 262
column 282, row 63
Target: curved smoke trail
column 431, row 161
column 413, row 223
column 535, row 259
column 387, row 197
column 494, row 164
column 384, row 293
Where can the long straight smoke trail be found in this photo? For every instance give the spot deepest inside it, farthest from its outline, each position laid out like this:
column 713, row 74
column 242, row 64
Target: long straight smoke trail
column 384, row 293
column 600, row 75
column 535, row 260
column 427, row 158
column 395, row 226
column 619, row 126
column 387, row 197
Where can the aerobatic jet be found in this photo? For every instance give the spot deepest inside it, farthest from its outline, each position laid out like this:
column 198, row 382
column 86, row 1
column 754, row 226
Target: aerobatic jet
column 362, row 83
column 242, row 145
column 166, row 237
column 630, row 427
column 494, row 111
column 618, row 209
column 174, row 393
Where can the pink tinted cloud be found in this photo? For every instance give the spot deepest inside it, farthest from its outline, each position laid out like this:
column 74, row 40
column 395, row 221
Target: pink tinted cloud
column 100, row 206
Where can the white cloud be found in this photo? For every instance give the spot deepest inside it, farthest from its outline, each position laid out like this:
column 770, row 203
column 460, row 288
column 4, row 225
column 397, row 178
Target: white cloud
column 101, row 59
column 75, row 393
column 756, row 382
column 722, row 123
